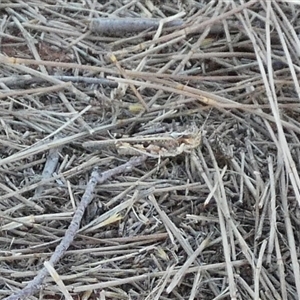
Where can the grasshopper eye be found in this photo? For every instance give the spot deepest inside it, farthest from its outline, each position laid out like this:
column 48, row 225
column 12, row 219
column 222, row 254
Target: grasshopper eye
column 176, row 135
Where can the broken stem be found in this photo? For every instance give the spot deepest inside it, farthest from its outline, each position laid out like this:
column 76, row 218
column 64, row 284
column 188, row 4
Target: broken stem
column 96, row 178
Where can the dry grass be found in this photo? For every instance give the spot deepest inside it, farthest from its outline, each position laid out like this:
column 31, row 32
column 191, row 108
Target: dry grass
column 218, row 222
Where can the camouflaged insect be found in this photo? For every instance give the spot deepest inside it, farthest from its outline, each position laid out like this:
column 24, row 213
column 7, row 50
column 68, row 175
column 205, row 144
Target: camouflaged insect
column 160, row 145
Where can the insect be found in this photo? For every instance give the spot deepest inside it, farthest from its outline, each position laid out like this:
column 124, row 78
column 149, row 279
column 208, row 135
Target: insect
column 166, row 144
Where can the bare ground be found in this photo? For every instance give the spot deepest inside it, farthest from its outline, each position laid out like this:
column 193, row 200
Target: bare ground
column 207, row 101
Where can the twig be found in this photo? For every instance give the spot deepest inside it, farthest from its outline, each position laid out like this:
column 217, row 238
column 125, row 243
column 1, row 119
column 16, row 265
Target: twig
column 40, row 90
column 121, row 26
column 49, row 169
column 86, row 199
column 20, row 80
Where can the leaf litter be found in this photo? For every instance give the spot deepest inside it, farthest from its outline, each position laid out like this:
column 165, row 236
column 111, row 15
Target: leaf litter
column 209, row 216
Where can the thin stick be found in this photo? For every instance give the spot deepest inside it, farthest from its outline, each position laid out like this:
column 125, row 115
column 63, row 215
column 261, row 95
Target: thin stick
column 49, row 168
column 96, row 178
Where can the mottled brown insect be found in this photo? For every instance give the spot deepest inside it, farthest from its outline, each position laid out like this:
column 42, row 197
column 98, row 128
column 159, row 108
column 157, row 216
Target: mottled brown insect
column 160, row 145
